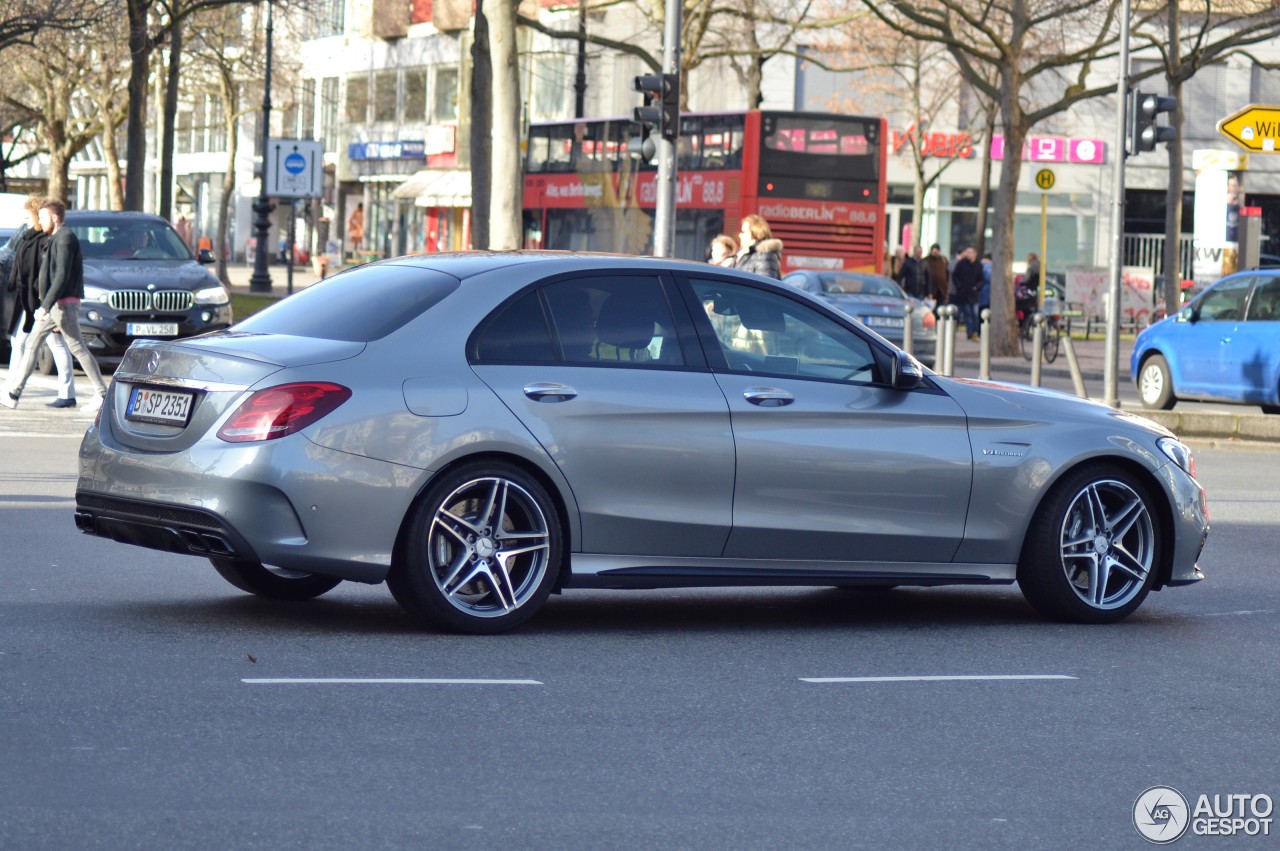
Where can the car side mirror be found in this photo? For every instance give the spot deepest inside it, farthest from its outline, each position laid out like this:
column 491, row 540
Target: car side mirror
column 205, row 256
column 906, row 372
column 1187, row 314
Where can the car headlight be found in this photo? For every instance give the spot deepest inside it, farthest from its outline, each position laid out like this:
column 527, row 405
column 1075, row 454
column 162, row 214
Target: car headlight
column 97, row 294
column 212, row 295
column 1179, row 453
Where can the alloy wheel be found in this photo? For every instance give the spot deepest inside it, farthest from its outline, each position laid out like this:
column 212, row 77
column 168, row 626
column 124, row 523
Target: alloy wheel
column 1107, row 544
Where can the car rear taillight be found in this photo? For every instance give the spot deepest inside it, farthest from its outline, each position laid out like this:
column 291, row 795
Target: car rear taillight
column 280, row 411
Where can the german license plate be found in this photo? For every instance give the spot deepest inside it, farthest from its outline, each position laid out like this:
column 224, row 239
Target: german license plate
column 152, row 329
column 166, row 407
column 884, row 321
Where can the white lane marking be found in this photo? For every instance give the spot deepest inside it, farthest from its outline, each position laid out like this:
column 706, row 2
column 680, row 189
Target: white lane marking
column 1233, row 614
column 277, row 681
column 935, row 679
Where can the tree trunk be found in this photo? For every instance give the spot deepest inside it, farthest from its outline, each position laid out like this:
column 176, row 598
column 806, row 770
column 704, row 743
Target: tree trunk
column 230, row 117
column 111, row 153
column 481, row 129
column 1173, row 194
column 1004, row 317
column 984, row 184
column 504, row 215
column 136, row 122
column 170, row 120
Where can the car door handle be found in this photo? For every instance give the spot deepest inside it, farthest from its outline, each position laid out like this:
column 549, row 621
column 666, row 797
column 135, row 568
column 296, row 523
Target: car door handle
column 549, row 391
column 768, row 397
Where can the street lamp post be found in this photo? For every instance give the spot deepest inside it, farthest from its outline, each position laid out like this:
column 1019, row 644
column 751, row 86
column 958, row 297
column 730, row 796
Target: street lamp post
column 260, row 280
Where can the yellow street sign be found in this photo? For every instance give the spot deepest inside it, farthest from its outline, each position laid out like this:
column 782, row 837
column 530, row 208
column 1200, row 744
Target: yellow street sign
column 1045, row 179
column 1254, row 128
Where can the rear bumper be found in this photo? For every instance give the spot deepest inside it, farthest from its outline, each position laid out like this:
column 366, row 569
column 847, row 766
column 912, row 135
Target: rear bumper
column 157, row 526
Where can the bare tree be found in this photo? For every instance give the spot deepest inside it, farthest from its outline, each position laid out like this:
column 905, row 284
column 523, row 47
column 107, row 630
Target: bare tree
column 1190, row 37
column 50, row 97
column 1033, row 59
column 21, row 21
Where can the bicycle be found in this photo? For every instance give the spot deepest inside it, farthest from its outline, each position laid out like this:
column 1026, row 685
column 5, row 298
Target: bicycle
column 1026, row 307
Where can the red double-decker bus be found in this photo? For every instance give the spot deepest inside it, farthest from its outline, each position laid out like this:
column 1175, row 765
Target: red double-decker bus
column 818, row 178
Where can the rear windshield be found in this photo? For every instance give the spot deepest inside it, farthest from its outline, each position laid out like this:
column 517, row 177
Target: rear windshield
column 357, row 306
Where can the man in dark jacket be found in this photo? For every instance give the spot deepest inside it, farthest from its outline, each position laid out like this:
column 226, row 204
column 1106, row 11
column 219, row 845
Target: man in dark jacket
column 966, row 281
column 911, row 275
column 61, row 290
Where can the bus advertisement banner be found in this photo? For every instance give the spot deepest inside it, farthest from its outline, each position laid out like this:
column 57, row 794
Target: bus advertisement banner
column 711, row 190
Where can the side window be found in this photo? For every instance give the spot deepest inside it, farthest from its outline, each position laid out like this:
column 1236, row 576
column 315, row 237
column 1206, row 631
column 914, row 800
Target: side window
column 516, row 332
column 761, row 331
column 622, row 320
column 1265, row 305
column 1225, row 302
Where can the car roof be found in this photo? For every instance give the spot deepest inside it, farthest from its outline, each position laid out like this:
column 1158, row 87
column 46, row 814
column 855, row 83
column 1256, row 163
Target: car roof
column 112, row 215
column 468, row 264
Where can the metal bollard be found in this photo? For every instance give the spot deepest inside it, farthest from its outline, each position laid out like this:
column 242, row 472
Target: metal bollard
column 1037, row 347
column 907, row 337
column 938, row 337
column 1077, row 377
column 984, row 345
column 949, row 345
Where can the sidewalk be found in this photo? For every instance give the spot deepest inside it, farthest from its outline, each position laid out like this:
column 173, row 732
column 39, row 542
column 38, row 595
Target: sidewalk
column 1091, row 354
column 303, row 277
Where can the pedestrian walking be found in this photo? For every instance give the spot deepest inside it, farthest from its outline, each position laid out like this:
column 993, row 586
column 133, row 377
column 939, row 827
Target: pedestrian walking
column 984, row 295
column 23, row 281
column 61, row 288
column 355, row 228
column 758, row 251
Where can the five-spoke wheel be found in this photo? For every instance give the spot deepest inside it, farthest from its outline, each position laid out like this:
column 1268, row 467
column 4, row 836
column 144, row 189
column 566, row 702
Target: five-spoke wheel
column 483, row 551
column 1092, row 549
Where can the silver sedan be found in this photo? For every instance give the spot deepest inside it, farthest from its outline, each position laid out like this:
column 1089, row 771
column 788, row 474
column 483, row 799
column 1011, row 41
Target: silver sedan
column 480, row 430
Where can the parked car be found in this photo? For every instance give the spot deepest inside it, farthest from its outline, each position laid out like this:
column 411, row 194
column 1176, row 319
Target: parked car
column 874, row 300
column 480, row 430
column 141, row 282
column 1223, row 346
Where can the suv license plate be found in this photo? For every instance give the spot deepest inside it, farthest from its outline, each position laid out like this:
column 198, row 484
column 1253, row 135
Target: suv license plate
column 152, row 329
column 166, row 407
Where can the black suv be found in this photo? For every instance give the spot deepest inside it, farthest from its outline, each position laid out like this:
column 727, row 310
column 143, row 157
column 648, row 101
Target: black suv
column 141, row 281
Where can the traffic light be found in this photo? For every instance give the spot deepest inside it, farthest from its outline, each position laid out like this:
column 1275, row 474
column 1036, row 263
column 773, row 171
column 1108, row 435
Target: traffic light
column 660, row 114
column 1144, row 133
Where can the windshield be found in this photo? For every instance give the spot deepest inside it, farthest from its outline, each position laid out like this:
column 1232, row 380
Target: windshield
column 860, row 284
column 129, row 240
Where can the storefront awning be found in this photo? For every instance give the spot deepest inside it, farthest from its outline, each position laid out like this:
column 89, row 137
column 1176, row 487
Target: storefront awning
column 437, row 187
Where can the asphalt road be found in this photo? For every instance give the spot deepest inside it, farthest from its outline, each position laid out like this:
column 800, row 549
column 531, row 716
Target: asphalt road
column 130, row 716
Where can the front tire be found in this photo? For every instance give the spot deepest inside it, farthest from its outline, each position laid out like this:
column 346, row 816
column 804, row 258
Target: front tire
column 273, row 583
column 1155, row 385
column 482, row 553
column 1093, row 548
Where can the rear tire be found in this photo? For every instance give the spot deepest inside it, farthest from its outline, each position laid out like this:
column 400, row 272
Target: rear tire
column 1155, row 385
column 271, row 583
column 483, row 550
column 1093, row 548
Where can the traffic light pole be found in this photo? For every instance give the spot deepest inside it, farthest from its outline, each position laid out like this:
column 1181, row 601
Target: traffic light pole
column 664, row 225
column 1111, row 370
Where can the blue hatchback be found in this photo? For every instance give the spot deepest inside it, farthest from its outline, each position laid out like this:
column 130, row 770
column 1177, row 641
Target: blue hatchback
column 1223, row 346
